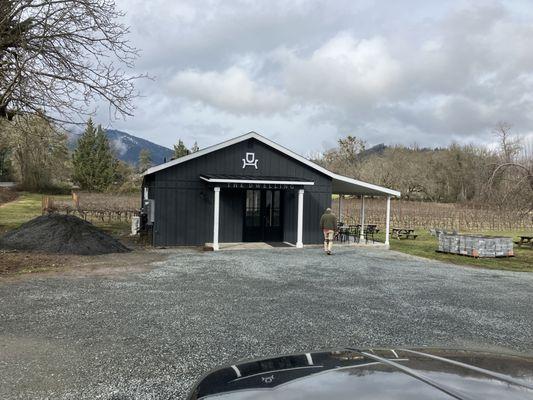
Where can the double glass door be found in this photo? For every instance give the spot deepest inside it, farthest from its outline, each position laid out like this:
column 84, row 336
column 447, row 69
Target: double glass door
column 262, row 216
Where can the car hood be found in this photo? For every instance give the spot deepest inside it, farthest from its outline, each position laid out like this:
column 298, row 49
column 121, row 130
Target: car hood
column 393, row 374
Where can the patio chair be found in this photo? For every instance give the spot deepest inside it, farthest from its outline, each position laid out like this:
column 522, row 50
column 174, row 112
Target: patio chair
column 370, row 231
column 340, row 234
column 354, row 230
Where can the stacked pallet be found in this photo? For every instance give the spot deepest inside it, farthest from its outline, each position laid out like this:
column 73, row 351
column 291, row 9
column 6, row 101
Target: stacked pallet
column 476, row 245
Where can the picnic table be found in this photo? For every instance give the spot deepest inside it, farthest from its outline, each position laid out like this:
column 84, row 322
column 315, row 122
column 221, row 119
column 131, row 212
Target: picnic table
column 525, row 239
column 403, row 233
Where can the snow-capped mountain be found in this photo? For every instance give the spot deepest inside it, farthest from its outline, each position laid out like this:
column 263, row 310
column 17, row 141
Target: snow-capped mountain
column 127, row 147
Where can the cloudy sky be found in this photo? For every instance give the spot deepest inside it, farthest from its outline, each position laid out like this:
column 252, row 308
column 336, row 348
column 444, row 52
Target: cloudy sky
column 305, row 73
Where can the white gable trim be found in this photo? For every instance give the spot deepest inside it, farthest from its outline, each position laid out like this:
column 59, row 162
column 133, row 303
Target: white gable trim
column 254, row 135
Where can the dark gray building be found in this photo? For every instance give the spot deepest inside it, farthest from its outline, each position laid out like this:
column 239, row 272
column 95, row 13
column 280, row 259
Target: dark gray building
column 247, row 189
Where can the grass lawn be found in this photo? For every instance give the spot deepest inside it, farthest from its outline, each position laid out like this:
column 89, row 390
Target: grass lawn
column 24, row 208
column 425, row 246
column 28, row 206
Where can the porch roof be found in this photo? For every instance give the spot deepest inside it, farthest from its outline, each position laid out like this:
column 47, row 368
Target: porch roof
column 267, row 180
column 344, row 185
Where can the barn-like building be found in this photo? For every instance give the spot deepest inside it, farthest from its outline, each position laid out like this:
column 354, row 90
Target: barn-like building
column 247, row 189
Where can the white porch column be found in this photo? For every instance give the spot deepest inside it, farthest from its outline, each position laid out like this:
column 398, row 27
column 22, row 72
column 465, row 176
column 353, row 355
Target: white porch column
column 216, row 214
column 387, row 223
column 340, row 208
column 300, row 231
column 361, row 234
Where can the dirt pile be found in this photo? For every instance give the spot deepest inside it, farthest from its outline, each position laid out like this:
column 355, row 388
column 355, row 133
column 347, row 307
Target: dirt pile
column 63, row 234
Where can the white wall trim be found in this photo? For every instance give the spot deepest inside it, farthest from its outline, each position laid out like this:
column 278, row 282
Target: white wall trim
column 362, row 233
column 387, row 222
column 216, row 219
column 300, row 226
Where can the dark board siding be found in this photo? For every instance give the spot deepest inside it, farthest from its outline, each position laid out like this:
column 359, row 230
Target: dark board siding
column 231, row 216
column 290, row 214
column 184, row 203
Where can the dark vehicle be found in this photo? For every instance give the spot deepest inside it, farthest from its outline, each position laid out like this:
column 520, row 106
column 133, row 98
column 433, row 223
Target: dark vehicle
column 388, row 374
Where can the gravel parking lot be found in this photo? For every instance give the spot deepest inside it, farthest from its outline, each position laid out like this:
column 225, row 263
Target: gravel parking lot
column 148, row 334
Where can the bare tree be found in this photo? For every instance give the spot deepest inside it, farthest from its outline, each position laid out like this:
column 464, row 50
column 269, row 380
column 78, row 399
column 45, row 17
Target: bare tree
column 39, row 151
column 58, row 56
column 346, row 157
column 509, row 146
column 511, row 180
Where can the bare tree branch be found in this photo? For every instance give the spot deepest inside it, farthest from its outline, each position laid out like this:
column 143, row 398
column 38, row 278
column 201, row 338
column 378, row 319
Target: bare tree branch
column 59, row 56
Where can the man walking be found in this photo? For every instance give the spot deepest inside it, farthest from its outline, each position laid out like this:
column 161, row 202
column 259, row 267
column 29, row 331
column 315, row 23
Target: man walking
column 328, row 224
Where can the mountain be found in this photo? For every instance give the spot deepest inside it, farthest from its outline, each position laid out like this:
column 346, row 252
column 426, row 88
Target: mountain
column 127, row 147
column 377, row 149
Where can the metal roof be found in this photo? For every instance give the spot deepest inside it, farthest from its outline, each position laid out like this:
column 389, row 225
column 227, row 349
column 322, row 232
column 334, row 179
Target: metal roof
column 340, row 184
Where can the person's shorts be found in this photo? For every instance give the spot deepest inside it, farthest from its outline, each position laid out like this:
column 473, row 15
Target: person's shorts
column 328, row 234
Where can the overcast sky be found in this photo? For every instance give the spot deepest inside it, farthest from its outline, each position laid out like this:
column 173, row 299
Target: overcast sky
column 305, row 73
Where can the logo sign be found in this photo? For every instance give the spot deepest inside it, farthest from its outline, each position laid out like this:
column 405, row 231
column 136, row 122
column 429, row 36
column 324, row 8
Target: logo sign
column 235, row 185
column 249, row 161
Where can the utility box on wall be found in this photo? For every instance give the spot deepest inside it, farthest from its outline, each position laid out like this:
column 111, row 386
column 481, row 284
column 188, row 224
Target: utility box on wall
column 149, row 210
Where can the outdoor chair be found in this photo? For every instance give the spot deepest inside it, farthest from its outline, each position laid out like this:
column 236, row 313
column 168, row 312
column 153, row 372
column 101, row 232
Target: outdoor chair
column 341, row 234
column 369, row 232
column 354, row 230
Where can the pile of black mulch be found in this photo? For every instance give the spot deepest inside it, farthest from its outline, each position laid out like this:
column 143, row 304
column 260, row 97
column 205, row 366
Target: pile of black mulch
column 62, row 234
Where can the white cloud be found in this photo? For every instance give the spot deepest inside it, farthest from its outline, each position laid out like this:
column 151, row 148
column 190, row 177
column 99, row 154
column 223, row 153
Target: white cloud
column 344, row 70
column 119, row 146
column 231, row 90
column 404, row 72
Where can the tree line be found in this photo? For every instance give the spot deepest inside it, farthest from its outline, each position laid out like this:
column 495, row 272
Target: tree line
column 34, row 152
column 57, row 59
column 500, row 176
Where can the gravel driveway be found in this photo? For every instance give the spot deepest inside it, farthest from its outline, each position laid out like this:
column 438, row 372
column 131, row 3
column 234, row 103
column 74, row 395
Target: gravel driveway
column 150, row 334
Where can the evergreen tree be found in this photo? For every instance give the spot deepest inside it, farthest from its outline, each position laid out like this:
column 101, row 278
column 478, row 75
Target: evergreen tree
column 105, row 163
column 145, row 160
column 180, row 149
column 82, row 159
column 93, row 161
column 195, row 147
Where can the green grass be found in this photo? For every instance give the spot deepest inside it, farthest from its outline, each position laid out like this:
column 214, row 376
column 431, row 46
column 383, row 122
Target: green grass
column 24, row 208
column 28, row 206
column 425, row 245
column 115, row 228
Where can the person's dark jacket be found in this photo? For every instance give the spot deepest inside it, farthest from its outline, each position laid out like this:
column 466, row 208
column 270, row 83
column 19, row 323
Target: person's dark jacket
column 328, row 221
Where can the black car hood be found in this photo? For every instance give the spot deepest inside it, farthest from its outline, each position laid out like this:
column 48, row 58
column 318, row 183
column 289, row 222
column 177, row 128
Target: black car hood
column 390, row 374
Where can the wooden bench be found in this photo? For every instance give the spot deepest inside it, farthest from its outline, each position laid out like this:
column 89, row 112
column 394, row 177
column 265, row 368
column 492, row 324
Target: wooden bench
column 525, row 240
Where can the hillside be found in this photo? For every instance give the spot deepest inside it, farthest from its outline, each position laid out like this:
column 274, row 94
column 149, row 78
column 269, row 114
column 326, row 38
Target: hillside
column 128, row 147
